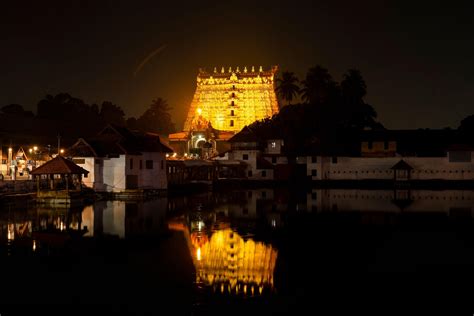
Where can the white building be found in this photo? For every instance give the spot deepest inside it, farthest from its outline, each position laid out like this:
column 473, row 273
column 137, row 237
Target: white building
column 392, row 155
column 118, row 160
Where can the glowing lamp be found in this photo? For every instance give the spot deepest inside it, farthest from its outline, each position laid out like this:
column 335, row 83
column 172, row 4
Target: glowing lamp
column 199, row 111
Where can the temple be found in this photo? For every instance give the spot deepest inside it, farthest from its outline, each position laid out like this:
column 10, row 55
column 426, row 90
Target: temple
column 225, row 102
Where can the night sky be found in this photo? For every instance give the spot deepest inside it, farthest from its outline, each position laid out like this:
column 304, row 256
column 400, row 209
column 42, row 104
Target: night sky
column 417, row 59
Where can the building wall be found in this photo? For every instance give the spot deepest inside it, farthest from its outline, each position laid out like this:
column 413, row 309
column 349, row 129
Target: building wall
column 361, row 168
column 378, row 148
column 114, row 171
column 154, row 178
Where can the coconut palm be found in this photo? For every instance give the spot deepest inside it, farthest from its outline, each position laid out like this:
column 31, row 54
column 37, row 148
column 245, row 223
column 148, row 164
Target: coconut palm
column 287, row 87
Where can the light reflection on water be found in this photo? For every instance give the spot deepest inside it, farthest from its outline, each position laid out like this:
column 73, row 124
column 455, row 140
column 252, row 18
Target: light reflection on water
column 230, row 236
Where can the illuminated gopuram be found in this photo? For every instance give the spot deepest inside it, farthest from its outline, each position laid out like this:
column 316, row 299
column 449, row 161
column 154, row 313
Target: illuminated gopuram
column 225, row 102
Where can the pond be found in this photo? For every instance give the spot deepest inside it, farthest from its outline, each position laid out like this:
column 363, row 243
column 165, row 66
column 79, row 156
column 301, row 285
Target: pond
column 263, row 251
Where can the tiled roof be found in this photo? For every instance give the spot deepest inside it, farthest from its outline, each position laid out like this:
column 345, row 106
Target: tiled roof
column 246, row 135
column 402, row 165
column 59, row 165
column 113, row 141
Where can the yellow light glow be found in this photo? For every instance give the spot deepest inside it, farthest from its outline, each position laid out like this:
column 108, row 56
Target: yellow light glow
column 175, row 154
column 167, row 155
column 34, row 245
column 218, row 102
column 35, row 148
column 226, row 258
column 10, row 149
column 62, row 151
column 30, row 150
column 11, row 232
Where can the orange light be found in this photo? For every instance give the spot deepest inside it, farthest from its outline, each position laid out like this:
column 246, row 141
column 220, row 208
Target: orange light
column 198, row 254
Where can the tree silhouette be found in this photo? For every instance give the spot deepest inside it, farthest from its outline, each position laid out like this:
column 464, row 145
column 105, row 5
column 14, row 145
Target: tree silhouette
column 15, row 110
column 355, row 112
column 467, row 124
column 157, row 118
column 287, row 87
column 112, row 113
column 318, row 86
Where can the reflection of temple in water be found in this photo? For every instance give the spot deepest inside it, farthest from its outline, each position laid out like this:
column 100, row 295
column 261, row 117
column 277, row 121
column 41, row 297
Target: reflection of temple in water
column 227, row 262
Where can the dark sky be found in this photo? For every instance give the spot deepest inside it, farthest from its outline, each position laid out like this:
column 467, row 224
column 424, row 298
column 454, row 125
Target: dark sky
column 417, row 58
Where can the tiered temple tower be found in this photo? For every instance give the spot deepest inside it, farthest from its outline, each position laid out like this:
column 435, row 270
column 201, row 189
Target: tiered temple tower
column 225, row 102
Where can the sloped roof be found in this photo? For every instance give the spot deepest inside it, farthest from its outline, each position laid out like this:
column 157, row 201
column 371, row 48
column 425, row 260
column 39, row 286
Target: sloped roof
column 113, row 140
column 246, row 135
column 402, row 165
column 59, row 165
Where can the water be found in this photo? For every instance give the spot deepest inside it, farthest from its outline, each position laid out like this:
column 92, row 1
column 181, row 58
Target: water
column 263, row 251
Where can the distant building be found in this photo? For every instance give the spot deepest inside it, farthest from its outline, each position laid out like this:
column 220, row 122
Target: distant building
column 382, row 155
column 225, row 102
column 119, row 159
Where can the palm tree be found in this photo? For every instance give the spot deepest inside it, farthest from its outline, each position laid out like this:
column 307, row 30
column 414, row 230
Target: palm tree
column 157, row 118
column 287, row 87
column 318, row 86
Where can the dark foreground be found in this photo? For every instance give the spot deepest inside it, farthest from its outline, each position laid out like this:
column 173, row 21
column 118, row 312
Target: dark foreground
column 329, row 263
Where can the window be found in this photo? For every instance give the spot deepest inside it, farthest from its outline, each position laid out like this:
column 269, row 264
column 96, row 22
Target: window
column 369, row 145
column 334, row 159
column 149, row 164
column 231, row 112
column 162, row 164
column 131, row 163
column 274, row 159
column 231, row 122
column 314, row 173
column 232, row 103
column 233, row 94
column 245, row 157
column 233, row 87
column 264, row 173
column 314, row 159
column 273, row 144
column 83, row 161
column 141, row 164
column 250, row 173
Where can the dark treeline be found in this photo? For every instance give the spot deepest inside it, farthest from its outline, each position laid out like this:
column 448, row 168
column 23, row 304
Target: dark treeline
column 330, row 113
column 71, row 118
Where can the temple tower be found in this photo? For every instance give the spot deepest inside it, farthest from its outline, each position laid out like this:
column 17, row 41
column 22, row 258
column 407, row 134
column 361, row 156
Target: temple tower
column 231, row 99
column 225, row 101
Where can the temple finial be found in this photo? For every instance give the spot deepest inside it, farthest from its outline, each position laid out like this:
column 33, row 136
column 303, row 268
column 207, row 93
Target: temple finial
column 215, row 69
column 245, row 69
column 238, row 70
column 261, row 69
column 222, row 70
column 230, row 69
column 253, row 69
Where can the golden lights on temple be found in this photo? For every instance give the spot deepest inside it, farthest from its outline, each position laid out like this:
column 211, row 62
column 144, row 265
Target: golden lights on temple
column 224, row 102
column 231, row 264
column 230, row 100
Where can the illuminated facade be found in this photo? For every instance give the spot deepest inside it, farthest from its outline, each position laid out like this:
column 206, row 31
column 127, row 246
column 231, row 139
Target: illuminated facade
column 225, row 102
